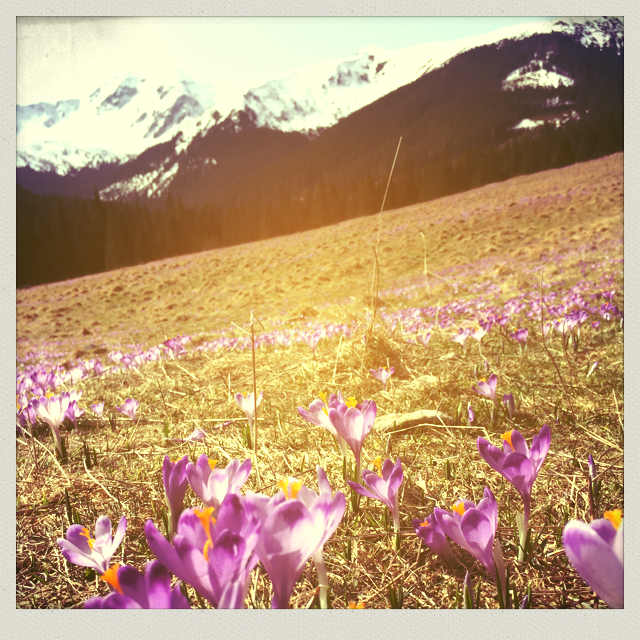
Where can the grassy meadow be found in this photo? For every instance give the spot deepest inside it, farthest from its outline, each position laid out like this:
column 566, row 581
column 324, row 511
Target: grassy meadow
column 442, row 266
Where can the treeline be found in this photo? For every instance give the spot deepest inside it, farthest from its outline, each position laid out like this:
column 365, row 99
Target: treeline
column 60, row 238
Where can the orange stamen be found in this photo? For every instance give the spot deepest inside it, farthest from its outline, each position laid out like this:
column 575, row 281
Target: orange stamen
column 290, row 488
column 614, row 517
column 507, row 437
column 458, row 508
column 85, row 533
column 378, row 463
column 353, row 605
column 111, row 577
column 424, row 524
column 212, row 464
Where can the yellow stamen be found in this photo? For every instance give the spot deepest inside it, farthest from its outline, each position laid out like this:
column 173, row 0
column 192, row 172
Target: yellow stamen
column 323, row 397
column 325, row 410
column 205, row 517
column 290, row 488
column 507, row 437
column 351, row 402
column 111, row 577
column 353, row 605
column 212, row 464
column 49, row 394
column 614, row 517
column 458, row 508
column 85, row 533
column 378, row 463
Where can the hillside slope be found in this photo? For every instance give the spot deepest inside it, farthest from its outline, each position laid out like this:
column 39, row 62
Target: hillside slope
column 327, row 272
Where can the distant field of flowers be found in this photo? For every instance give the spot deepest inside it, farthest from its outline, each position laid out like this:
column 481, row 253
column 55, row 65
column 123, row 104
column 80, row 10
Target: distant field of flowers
column 448, row 436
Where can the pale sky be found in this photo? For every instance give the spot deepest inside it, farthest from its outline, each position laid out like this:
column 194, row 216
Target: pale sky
column 62, row 58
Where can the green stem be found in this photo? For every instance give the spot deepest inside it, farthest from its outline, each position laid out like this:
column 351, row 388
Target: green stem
column 323, row 579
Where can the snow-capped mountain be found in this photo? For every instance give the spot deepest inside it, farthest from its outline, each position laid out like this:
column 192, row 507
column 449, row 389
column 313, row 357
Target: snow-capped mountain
column 133, row 113
column 126, row 115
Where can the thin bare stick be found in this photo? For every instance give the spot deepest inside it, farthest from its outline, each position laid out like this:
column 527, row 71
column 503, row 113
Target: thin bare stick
column 376, row 267
column 386, row 191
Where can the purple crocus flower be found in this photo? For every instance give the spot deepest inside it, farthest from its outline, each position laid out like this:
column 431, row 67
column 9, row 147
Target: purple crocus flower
column 471, row 415
column 132, row 590
column 433, row 536
column 473, row 528
column 52, row 411
column 214, row 555
column 354, row 424
column 174, row 478
column 384, row 486
column 518, row 464
column 596, row 552
column 97, row 408
column 73, row 413
column 82, row 549
column 487, row 387
column 195, row 436
column 312, row 338
column 382, row 374
column 249, row 407
column 294, row 528
column 520, row 335
column 129, row 408
column 424, row 339
column 213, row 484
column 510, row 405
column 318, row 414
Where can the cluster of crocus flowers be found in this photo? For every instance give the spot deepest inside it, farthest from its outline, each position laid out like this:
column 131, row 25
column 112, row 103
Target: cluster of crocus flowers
column 596, row 552
column 384, row 486
column 83, row 549
column 215, row 555
column 382, row 374
column 519, row 464
column 132, row 590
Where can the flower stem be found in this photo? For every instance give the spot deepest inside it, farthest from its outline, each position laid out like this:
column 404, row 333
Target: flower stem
column 323, row 579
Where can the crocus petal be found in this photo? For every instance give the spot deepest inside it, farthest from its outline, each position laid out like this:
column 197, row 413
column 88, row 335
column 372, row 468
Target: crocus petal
column 596, row 561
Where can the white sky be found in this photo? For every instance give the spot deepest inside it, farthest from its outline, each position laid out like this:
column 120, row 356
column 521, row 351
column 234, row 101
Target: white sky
column 61, row 58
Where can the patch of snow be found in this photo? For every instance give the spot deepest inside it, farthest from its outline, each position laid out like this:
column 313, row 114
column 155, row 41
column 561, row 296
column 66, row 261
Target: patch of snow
column 63, row 158
column 558, row 120
column 152, row 184
column 535, row 75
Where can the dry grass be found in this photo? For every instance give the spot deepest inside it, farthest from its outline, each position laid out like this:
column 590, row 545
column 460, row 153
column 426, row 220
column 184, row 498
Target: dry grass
column 497, row 234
